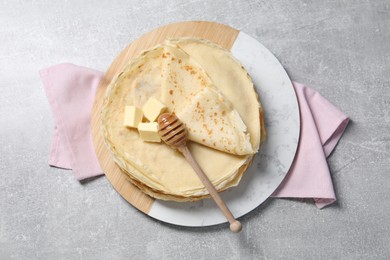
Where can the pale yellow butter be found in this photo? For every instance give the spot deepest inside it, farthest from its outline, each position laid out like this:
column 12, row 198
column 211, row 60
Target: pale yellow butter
column 133, row 116
column 149, row 132
column 153, row 108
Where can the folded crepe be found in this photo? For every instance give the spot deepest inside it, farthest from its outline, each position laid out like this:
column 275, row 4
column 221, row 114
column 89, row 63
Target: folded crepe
column 189, row 92
column 211, row 93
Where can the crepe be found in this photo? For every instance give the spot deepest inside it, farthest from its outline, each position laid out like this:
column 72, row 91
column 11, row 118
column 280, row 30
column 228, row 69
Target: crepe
column 157, row 169
column 189, row 92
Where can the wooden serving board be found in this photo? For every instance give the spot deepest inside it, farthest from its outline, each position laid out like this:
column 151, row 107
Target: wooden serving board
column 275, row 157
column 218, row 33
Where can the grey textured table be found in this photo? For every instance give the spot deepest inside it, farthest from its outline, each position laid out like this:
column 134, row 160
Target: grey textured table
column 340, row 48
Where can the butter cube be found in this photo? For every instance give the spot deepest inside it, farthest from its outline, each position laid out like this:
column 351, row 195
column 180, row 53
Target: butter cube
column 153, row 108
column 149, row 132
column 133, row 116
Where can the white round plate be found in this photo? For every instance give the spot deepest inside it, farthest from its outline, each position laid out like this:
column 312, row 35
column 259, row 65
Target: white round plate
column 276, row 155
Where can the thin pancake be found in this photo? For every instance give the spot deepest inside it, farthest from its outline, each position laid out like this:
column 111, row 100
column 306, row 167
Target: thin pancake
column 156, row 166
column 210, row 118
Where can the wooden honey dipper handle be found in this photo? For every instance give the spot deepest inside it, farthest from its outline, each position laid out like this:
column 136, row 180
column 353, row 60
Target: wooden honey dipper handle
column 235, row 225
column 174, row 133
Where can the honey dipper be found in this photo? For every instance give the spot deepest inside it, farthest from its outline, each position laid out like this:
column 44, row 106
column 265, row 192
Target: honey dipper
column 174, row 133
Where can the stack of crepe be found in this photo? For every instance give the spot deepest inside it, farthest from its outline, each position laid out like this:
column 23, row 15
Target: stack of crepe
column 211, row 93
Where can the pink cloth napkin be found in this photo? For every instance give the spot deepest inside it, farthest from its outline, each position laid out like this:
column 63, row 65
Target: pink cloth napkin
column 71, row 89
column 322, row 125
